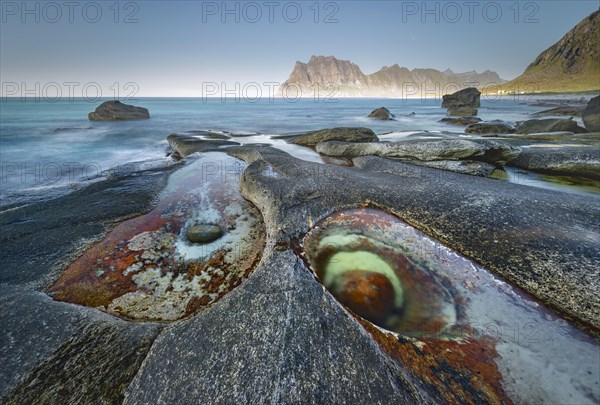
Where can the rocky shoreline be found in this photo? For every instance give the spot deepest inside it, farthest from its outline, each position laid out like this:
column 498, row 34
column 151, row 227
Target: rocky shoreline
column 252, row 319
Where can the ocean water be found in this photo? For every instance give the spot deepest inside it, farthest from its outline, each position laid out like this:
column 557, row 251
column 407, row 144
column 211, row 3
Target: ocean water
column 50, row 147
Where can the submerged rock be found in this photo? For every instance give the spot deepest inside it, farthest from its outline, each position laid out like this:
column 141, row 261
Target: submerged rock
column 207, row 134
column 425, row 150
column 490, row 127
column 564, row 110
column 381, row 114
column 464, row 102
column 311, row 139
column 114, row 110
column 369, row 294
column 460, row 120
column 548, row 125
column 591, row 115
column 541, row 136
column 185, row 145
column 203, row 233
column 357, row 256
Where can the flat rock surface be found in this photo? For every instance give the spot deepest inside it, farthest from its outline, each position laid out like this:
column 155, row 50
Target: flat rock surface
column 54, row 352
column 425, row 150
column 471, row 167
column 571, row 160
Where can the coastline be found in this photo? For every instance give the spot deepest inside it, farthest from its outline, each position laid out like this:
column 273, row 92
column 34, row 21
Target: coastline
column 492, row 252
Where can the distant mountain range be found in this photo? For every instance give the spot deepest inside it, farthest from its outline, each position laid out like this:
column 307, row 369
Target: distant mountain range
column 570, row 65
column 331, row 76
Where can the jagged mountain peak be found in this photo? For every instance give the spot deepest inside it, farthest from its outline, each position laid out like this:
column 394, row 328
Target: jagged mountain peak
column 389, row 81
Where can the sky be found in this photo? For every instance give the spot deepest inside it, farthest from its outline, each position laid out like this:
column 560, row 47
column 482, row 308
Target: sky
column 181, row 48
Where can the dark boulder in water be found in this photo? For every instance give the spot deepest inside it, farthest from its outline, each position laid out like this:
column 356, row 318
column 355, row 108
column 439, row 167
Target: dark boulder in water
column 114, row 110
column 335, row 134
column 381, row 114
column 464, row 102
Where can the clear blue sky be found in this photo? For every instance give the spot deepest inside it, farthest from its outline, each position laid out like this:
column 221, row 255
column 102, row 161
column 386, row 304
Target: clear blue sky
column 175, row 46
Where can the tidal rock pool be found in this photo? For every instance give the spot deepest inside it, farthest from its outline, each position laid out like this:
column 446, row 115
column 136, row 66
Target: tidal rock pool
column 445, row 317
column 146, row 268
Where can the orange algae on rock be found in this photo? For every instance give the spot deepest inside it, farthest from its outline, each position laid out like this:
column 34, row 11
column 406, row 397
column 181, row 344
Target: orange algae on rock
column 146, row 269
column 458, row 370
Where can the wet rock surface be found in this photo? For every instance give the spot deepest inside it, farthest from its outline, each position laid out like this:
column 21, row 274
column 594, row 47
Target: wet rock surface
column 55, row 352
column 114, row 110
column 355, row 255
column 552, row 263
column 280, row 335
column 60, row 353
column 471, row 167
column 38, row 240
column 147, row 268
column 284, row 339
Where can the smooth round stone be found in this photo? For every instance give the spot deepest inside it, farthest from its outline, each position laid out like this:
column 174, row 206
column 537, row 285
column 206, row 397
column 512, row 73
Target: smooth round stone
column 370, row 295
column 203, row 233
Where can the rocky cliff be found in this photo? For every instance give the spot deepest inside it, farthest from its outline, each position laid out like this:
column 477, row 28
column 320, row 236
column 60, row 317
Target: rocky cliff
column 333, row 77
column 571, row 64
